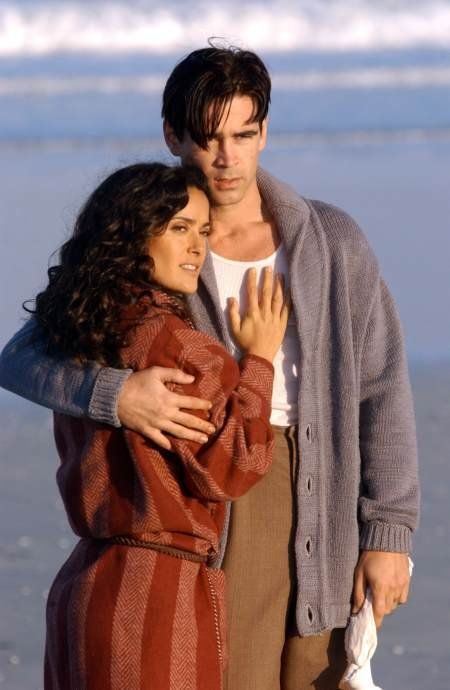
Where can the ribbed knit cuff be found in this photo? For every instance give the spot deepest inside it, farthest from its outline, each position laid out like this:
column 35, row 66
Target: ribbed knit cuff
column 105, row 395
column 382, row 536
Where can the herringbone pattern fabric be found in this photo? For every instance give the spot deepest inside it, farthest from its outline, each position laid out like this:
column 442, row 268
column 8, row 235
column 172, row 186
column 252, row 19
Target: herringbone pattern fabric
column 128, row 618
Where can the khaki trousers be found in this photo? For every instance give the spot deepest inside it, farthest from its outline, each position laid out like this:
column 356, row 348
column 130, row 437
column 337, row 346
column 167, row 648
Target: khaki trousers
column 265, row 653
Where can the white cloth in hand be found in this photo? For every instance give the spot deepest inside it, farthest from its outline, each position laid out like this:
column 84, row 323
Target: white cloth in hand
column 360, row 645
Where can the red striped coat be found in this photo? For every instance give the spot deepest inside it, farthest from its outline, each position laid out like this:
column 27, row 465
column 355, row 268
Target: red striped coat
column 127, row 618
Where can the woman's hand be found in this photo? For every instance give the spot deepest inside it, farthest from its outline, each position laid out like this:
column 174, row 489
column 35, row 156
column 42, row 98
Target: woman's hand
column 261, row 330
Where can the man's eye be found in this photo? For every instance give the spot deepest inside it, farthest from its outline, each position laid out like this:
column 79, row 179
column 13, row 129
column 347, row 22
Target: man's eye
column 205, row 233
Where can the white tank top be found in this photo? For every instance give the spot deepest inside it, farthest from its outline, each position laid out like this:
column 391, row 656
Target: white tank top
column 230, row 276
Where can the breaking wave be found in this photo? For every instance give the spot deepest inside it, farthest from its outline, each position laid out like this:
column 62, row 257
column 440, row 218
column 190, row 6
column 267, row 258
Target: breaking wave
column 44, row 27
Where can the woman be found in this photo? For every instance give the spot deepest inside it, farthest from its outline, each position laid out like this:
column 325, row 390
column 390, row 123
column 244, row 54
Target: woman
column 137, row 605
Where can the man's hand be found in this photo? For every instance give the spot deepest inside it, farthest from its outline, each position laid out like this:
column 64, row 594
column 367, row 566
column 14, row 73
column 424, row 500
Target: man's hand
column 387, row 576
column 147, row 406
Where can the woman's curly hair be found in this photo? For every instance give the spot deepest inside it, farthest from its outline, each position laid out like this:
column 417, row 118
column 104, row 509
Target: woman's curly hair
column 102, row 286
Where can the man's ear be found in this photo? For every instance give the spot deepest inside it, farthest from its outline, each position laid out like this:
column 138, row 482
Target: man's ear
column 171, row 139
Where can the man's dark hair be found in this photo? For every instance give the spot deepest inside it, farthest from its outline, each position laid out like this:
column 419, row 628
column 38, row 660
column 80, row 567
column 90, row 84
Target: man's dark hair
column 201, row 87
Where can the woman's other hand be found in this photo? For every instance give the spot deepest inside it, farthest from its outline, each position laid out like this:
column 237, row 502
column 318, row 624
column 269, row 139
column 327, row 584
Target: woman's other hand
column 260, row 331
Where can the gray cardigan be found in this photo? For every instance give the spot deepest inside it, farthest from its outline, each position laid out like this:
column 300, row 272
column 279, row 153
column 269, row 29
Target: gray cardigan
column 357, row 484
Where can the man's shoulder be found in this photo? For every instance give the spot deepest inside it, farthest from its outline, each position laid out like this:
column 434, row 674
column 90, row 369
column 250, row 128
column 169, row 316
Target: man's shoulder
column 335, row 222
column 329, row 225
column 338, row 225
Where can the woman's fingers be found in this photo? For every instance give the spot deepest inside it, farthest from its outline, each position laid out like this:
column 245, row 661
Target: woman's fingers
column 269, row 301
column 278, row 297
column 267, row 290
column 252, row 291
column 284, row 315
column 234, row 316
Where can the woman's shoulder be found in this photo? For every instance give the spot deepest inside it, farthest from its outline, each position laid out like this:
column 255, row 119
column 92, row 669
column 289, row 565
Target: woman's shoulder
column 166, row 339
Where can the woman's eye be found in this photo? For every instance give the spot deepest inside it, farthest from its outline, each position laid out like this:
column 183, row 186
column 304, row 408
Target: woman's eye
column 179, row 228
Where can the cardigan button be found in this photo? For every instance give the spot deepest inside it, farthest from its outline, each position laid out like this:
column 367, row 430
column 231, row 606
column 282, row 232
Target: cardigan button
column 308, row 485
column 308, row 433
column 310, row 614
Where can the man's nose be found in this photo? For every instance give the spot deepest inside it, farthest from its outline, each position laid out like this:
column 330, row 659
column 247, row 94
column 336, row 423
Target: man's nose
column 225, row 154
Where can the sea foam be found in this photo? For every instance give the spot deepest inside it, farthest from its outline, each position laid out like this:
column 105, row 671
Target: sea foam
column 43, row 27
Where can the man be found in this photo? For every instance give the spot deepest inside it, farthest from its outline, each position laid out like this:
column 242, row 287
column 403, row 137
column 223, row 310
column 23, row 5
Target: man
column 336, row 512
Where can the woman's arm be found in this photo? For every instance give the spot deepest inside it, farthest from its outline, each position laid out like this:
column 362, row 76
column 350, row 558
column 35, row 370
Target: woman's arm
column 238, row 454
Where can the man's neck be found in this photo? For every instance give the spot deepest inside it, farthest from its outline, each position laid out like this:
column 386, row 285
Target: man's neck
column 244, row 231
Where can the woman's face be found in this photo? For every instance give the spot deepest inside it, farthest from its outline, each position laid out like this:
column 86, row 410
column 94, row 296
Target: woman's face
column 179, row 253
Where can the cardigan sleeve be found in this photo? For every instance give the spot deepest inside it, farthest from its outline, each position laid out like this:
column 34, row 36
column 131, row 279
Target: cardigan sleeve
column 239, row 453
column 389, row 500
column 59, row 382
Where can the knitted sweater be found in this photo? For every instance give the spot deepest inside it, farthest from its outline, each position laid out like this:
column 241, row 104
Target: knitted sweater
column 357, row 485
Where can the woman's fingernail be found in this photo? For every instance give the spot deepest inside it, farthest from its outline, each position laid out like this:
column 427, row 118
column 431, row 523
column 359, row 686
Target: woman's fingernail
column 203, row 439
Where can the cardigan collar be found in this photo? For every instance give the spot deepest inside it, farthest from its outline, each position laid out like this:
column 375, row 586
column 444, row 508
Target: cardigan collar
column 295, row 222
column 290, row 212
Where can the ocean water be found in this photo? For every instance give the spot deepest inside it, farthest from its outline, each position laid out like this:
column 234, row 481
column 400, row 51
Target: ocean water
column 360, row 117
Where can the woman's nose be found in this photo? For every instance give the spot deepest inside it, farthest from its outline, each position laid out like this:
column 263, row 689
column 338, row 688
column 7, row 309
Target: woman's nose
column 197, row 244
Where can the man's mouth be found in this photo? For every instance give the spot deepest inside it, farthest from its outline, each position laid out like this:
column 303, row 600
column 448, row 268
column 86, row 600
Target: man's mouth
column 226, row 182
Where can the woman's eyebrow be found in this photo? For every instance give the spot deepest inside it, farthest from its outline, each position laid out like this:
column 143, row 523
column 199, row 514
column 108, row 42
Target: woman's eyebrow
column 185, row 218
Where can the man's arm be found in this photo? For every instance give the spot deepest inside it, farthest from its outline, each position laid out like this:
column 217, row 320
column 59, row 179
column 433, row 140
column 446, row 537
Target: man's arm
column 60, row 384
column 389, row 501
column 138, row 400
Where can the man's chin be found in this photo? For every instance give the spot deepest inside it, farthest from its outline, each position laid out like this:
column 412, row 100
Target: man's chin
column 226, row 197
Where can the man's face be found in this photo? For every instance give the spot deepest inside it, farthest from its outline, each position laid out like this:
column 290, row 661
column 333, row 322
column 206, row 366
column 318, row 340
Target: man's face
column 231, row 159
